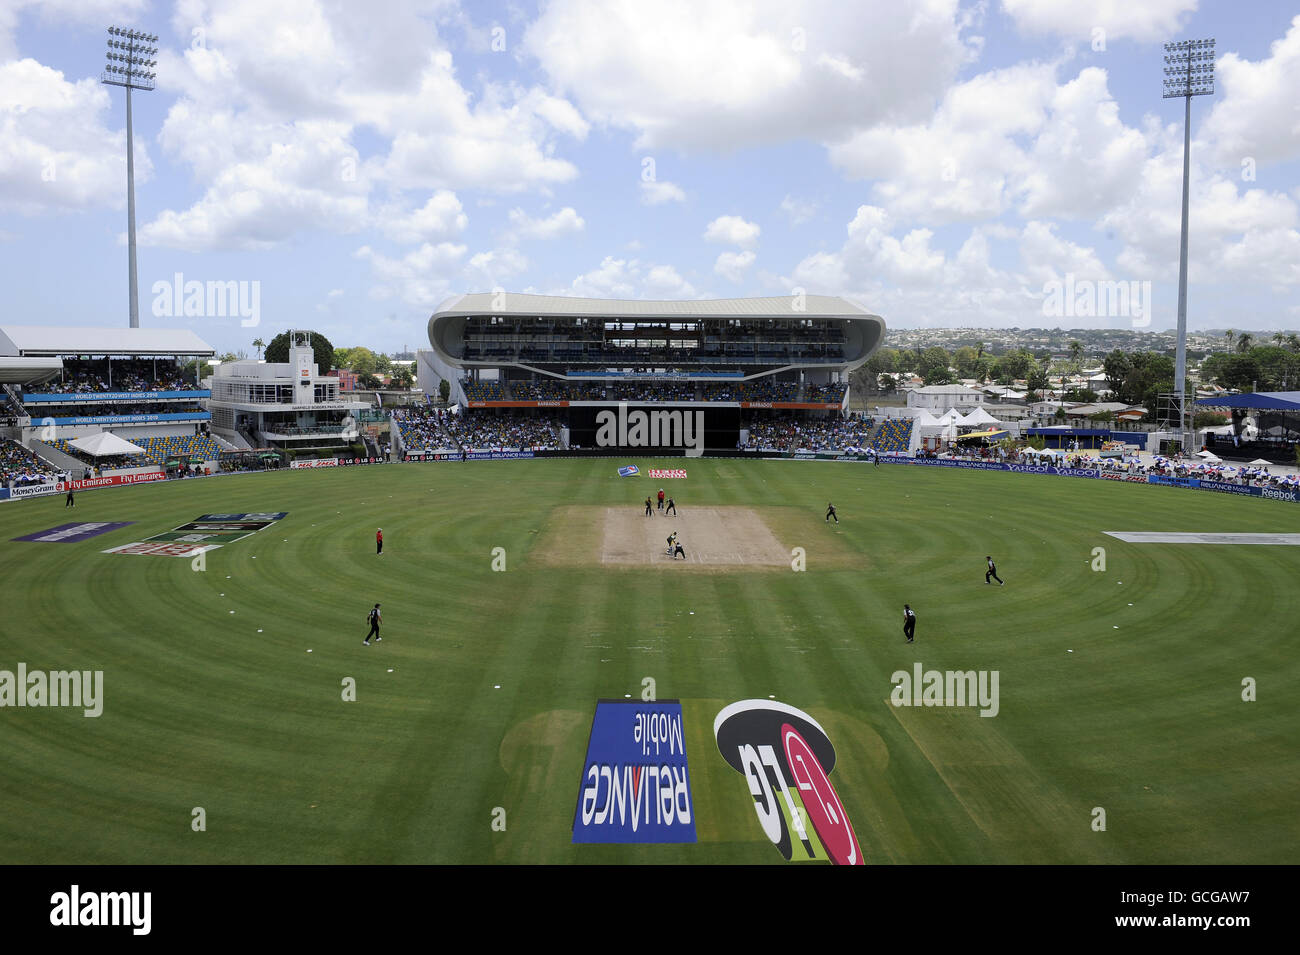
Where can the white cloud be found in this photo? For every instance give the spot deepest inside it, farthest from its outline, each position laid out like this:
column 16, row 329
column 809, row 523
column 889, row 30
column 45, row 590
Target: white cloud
column 1005, row 139
column 654, row 193
column 662, row 281
column 439, row 218
column 1147, row 21
column 420, row 278
column 565, row 222
column 56, row 154
column 1255, row 116
column 62, row 14
column 497, row 265
column 732, row 230
column 732, row 265
column 798, row 211
column 253, row 83
column 629, row 278
column 292, row 179
column 722, row 74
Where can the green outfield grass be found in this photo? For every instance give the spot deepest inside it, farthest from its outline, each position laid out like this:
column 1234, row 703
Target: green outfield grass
column 201, row 710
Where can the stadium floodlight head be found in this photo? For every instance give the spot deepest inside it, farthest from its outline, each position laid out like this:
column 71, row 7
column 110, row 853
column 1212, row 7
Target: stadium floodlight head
column 131, row 58
column 1189, row 71
column 1189, row 68
column 136, row 52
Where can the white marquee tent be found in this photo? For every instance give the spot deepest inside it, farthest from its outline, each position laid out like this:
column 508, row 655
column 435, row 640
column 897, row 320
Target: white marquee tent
column 104, row 444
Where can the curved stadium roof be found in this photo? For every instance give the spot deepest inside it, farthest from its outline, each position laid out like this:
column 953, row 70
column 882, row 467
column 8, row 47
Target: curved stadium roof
column 448, row 321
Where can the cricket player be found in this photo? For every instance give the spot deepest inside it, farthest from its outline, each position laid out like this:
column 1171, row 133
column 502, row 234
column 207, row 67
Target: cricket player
column 672, row 539
column 379, row 541
column 830, row 512
column 909, row 622
column 671, row 507
column 661, row 499
column 678, row 549
column 993, row 572
column 373, row 617
column 649, row 510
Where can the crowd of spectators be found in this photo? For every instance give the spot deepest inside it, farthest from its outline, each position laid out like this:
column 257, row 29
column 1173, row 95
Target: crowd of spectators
column 832, row 392
column 491, row 432
column 423, row 428
column 90, row 377
column 789, row 433
column 21, row 468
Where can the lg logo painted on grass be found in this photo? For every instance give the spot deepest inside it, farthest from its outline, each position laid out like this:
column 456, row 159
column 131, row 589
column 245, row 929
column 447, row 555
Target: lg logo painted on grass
column 786, row 758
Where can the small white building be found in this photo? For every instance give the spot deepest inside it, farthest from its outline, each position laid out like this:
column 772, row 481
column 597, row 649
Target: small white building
column 939, row 398
column 287, row 405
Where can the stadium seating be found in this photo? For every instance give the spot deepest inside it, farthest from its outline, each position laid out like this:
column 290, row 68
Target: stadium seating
column 199, row 447
column 895, row 435
column 484, row 390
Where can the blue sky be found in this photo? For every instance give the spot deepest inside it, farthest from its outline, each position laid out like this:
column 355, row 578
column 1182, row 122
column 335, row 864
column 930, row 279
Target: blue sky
column 937, row 162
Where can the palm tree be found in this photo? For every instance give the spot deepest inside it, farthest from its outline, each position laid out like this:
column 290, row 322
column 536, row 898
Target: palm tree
column 1279, row 338
column 1076, row 355
column 259, row 345
column 1228, row 336
column 1245, row 342
column 1293, row 342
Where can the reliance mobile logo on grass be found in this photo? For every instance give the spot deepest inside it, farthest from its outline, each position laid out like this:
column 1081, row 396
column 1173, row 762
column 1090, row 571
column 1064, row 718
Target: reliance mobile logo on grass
column 74, row 533
column 635, row 787
column 786, row 758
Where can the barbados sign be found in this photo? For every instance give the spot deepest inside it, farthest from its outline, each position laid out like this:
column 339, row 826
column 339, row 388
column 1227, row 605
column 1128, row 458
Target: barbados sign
column 786, row 758
column 635, row 787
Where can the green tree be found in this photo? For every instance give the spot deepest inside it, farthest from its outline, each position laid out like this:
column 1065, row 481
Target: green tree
column 1036, row 379
column 1245, row 342
column 444, row 389
column 1116, row 367
column 1016, row 364
column 1279, row 368
column 368, row 381
column 277, row 351
column 966, row 360
column 401, row 377
column 934, row 368
column 383, row 364
column 1076, row 356
column 362, row 360
column 1238, row 372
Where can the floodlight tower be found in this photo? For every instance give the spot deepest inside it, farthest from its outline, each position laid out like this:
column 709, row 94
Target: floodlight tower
column 1189, row 71
column 130, row 64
